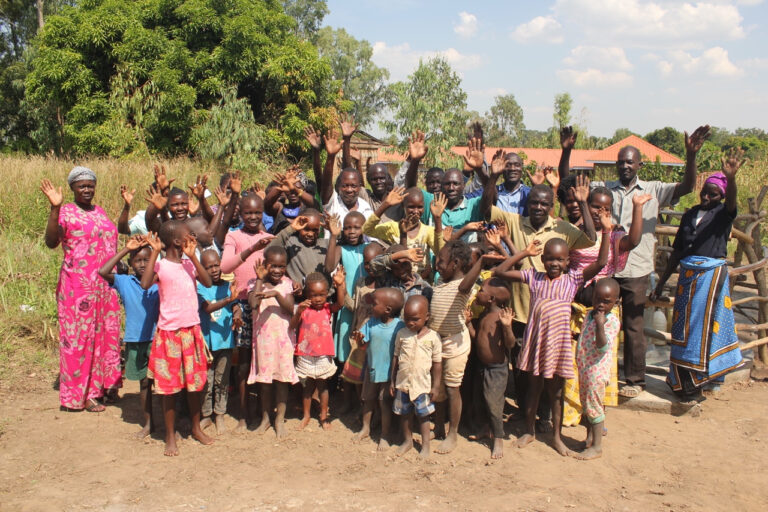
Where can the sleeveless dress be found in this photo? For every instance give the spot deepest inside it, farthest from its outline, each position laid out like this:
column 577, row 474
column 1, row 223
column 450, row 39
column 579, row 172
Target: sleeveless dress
column 352, row 259
column 273, row 342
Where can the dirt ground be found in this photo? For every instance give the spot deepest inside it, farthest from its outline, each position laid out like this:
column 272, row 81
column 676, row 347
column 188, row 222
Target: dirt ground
column 53, row 460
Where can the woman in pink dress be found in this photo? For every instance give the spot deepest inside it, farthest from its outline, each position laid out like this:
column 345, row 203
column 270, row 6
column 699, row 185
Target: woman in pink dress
column 89, row 321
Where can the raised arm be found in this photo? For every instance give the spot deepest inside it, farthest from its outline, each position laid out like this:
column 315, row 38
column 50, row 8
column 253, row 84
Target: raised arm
column 730, row 167
column 53, row 230
column 417, row 150
column 471, row 276
column 148, row 278
column 567, row 141
column 506, row 316
column 316, row 141
column 122, row 221
column 188, row 246
column 474, row 158
column 155, row 208
column 581, row 193
column 197, row 189
column 333, row 254
column 348, row 128
column 332, row 147
column 210, row 307
column 489, row 190
column 133, row 243
column 503, row 271
column 632, row 240
column 605, row 244
column 340, row 283
column 693, row 144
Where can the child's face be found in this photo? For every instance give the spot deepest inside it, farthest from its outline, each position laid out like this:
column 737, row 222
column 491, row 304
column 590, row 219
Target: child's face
column 571, row 206
column 317, row 294
column 353, row 229
column 555, row 260
column 604, row 299
column 599, row 203
column 276, row 264
column 202, row 232
column 371, row 251
column 252, row 212
column 379, row 305
column 402, row 270
column 484, row 295
column 311, row 231
column 416, row 316
column 414, row 205
column 445, row 265
column 178, row 206
column 140, row 261
column 212, row 264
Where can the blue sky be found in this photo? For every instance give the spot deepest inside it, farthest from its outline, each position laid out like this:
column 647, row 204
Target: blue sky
column 627, row 63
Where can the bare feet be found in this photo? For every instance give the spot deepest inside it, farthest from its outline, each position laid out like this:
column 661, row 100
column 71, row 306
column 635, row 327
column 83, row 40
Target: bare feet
column 280, row 431
column 202, row 437
column 588, row 454
column 171, row 450
column 559, row 446
column 383, row 445
column 220, row 426
column 242, row 427
column 588, row 442
column 497, row 451
column 404, row 447
column 362, row 435
column 544, row 426
column 144, row 432
column 438, row 433
column 424, row 453
column 303, row 424
column 326, row 424
column 448, row 445
column 263, row 425
column 205, row 423
column 525, row 440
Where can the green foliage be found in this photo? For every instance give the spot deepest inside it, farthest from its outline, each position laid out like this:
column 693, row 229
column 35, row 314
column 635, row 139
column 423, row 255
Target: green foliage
column 668, row 139
column 505, row 122
column 308, row 14
column 362, row 82
column 620, row 134
column 125, row 77
column 431, row 100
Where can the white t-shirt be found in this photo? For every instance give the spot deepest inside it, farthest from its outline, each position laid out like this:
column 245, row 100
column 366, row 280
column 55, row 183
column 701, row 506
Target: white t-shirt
column 336, row 207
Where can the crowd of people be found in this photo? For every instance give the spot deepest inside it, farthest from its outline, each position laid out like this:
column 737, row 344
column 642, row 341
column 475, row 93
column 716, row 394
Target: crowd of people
column 434, row 304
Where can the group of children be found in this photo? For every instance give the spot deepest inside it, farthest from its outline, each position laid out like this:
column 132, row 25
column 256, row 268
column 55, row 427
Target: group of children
column 380, row 295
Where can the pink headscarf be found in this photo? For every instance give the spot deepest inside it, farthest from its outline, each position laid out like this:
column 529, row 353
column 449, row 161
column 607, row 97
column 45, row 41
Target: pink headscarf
column 719, row 180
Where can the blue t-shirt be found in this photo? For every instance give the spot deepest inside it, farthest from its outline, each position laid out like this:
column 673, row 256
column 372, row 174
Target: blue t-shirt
column 468, row 210
column 141, row 308
column 381, row 346
column 216, row 326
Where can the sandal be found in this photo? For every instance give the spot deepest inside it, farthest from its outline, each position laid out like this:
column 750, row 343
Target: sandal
column 91, row 405
column 629, row 391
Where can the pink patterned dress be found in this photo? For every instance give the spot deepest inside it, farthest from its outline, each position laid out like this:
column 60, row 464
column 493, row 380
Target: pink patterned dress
column 89, row 311
column 273, row 341
column 595, row 365
column 579, row 259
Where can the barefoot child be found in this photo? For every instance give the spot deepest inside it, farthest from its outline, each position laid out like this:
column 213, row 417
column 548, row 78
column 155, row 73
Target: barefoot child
column 547, row 353
column 314, row 350
column 220, row 316
column 493, row 341
column 416, row 369
column 177, row 359
column 274, row 342
column 306, row 250
column 379, row 334
column 141, row 309
column 594, row 357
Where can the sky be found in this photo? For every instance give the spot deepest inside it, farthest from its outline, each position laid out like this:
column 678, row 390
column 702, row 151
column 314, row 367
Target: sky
column 633, row 64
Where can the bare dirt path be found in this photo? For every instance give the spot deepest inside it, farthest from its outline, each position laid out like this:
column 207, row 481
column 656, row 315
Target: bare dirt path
column 52, row 460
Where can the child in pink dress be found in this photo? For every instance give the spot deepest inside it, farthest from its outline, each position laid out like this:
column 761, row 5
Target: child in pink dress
column 315, row 349
column 177, row 359
column 273, row 341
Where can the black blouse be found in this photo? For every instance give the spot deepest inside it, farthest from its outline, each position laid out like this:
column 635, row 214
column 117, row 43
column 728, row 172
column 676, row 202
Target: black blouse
column 710, row 237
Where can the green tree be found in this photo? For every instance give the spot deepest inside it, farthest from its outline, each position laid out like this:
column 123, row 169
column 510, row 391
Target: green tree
column 668, row 139
column 171, row 60
column 363, row 83
column 431, row 100
column 505, row 122
column 751, row 132
column 308, row 14
column 562, row 111
column 620, row 134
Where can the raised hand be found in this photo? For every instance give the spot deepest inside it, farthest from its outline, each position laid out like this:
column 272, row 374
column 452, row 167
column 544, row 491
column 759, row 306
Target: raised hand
column 417, row 149
column 55, row 195
column 135, row 242
column 222, row 195
column 447, row 233
column 188, row 245
column 153, row 241
column 395, row 196
column 497, row 163
column 260, row 244
column 501, row 227
column 606, row 222
column 332, row 142
column 260, row 269
column 333, row 223
column 733, row 162
column 552, row 177
column 408, row 223
column 415, row 254
column 194, row 206
column 474, row 226
column 493, row 258
column 256, row 190
column 299, row 223
column 477, row 131
column 694, row 141
column 198, row 187
column 581, row 190
column 339, row 278
column 127, row 196
column 537, row 178
column 155, row 196
column 506, row 316
column 236, row 182
column 534, row 248
column 474, row 154
column 568, row 137
column 641, row 199
column 313, row 137
column 493, row 236
column 162, row 181
column 347, row 125
column 234, row 291
column 437, row 207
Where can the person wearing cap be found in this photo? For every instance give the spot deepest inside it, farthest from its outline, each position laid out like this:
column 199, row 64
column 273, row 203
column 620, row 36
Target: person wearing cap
column 88, row 309
column 704, row 342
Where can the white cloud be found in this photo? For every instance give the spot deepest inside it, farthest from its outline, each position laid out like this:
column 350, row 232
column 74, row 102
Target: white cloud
column 467, row 25
column 593, row 77
column 713, row 62
column 653, row 24
column 598, row 57
column 401, row 59
column 541, row 29
column 490, row 92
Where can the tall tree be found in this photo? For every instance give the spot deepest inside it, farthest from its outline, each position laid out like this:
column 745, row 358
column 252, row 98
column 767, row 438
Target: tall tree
column 668, row 139
column 505, row 122
column 431, row 100
column 562, row 111
column 363, row 83
column 308, row 14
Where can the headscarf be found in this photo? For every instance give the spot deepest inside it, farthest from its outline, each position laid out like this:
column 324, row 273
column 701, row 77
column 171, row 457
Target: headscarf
column 719, row 180
column 80, row 173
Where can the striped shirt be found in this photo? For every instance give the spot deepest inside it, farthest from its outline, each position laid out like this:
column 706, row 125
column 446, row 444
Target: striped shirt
column 446, row 310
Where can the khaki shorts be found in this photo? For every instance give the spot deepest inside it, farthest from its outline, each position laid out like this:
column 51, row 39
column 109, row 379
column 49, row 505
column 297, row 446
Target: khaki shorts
column 453, row 374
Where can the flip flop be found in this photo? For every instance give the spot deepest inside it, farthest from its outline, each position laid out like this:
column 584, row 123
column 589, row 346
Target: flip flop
column 92, row 405
column 630, row 391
